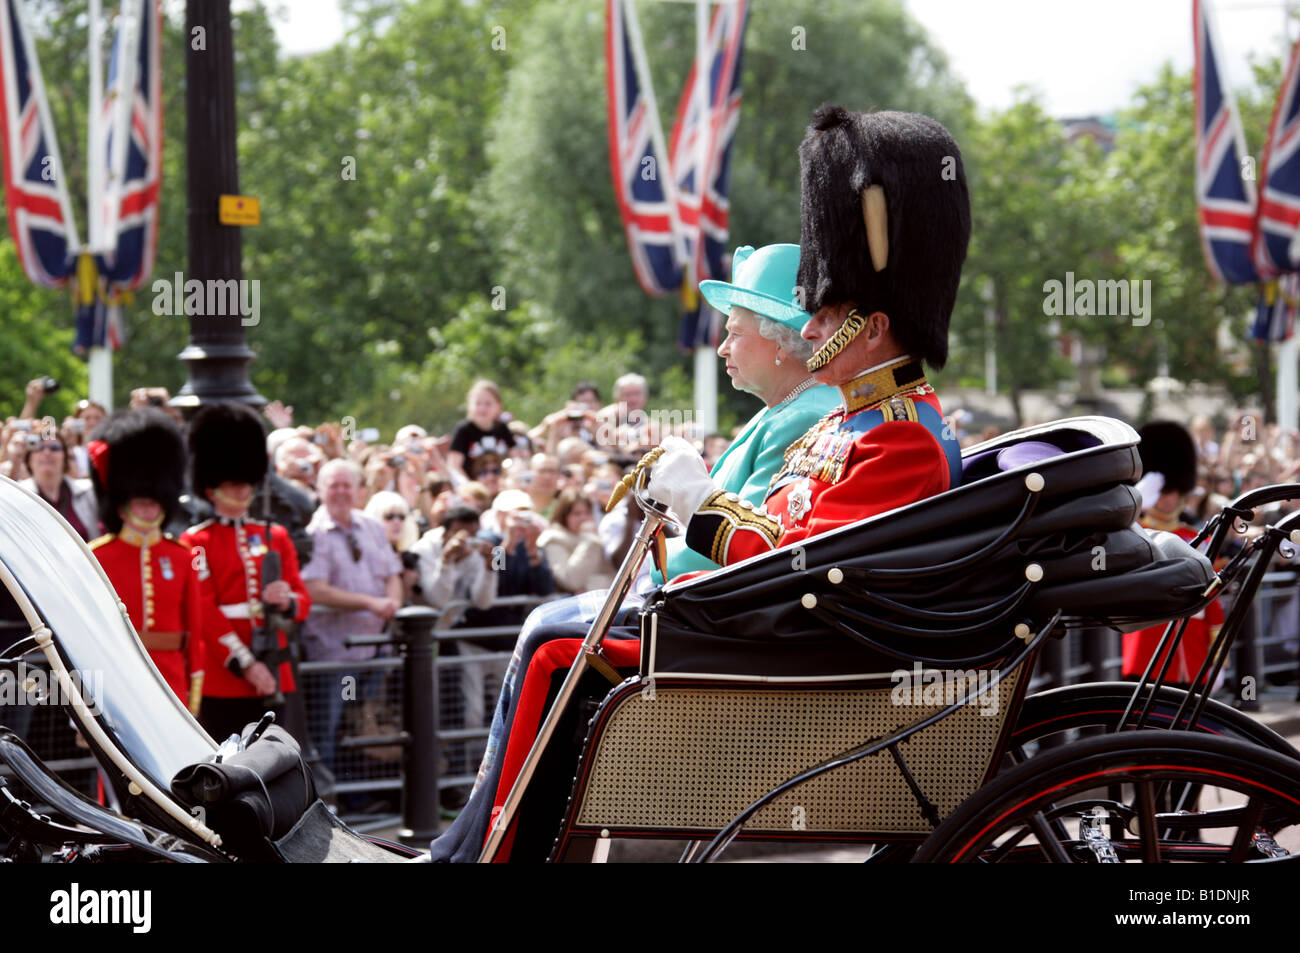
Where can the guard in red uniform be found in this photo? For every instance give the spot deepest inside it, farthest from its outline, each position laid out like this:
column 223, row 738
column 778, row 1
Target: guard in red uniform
column 1169, row 466
column 138, row 461
column 228, row 459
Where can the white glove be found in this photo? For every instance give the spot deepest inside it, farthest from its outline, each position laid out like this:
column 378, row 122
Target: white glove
column 679, row 479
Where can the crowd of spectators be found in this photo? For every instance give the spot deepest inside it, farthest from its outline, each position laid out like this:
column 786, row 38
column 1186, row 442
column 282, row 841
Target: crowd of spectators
column 536, row 495
column 491, row 509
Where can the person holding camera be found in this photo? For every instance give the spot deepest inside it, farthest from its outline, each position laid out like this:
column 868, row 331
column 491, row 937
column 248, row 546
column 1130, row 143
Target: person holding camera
column 36, row 391
column 454, row 561
column 77, row 430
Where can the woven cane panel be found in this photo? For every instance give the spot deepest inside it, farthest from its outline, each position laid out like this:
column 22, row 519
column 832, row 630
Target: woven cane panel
column 694, row 758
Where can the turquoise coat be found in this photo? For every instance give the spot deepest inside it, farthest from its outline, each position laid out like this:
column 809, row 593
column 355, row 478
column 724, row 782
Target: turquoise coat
column 754, row 457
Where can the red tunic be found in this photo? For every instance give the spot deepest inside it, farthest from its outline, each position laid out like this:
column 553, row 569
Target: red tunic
column 156, row 580
column 1199, row 635
column 885, row 448
column 229, row 556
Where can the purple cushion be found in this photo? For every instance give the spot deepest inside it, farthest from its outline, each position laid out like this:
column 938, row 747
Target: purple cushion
column 1027, row 453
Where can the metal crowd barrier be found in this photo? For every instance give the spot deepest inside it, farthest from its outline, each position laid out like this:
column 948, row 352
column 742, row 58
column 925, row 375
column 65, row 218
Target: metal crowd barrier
column 419, row 733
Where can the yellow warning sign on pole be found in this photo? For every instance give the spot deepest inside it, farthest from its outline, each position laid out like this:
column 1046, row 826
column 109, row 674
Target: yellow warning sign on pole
column 239, row 210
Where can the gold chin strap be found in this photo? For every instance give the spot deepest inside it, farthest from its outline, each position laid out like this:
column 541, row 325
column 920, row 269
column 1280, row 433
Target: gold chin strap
column 851, row 328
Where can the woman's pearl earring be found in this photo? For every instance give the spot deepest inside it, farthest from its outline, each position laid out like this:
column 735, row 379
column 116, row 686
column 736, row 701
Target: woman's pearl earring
column 778, row 360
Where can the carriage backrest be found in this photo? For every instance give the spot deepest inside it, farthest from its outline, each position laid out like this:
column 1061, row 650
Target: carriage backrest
column 51, row 572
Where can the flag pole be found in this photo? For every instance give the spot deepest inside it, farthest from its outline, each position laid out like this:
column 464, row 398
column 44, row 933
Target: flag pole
column 94, row 133
column 706, row 361
column 128, row 52
column 99, row 359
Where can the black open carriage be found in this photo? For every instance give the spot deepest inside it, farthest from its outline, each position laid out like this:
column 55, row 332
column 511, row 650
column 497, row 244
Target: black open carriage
column 793, row 696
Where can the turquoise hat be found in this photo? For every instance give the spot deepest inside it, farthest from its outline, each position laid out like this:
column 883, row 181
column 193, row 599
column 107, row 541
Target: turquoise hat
column 764, row 281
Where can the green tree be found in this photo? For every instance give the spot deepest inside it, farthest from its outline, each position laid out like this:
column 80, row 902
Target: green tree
column 548, row 196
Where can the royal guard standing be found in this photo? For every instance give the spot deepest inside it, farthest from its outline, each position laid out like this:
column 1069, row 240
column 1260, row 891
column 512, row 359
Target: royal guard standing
column 138, row 464
column 1169, row 466
column 227, row 462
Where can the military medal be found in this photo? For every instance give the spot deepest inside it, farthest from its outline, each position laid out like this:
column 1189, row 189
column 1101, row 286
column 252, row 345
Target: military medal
column 255, row 545
column 800, row 501
column 165, row 564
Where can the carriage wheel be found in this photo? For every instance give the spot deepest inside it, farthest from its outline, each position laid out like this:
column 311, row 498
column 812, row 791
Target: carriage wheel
column 1056, row 716
column 1095, row 802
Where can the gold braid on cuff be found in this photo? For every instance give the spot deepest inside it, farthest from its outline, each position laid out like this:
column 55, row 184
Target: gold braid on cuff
column 852, row 326
column 718, row 519
column 639, row 477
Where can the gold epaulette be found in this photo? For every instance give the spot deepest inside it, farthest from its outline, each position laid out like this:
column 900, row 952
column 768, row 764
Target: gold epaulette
column 899, row 408
column 100, row 541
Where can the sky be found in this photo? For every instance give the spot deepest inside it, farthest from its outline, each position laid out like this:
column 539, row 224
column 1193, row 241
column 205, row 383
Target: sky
column 1083, row 58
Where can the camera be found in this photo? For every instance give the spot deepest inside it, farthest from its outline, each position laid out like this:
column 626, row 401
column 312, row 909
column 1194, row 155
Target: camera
column 369, row 435
column 320, row 439
column 304, row 466
column 410, row 560
column 397, row 462
column 575, row 415
column 50, row 384
column 33, row 441
column 76, row 425
column 155, row 401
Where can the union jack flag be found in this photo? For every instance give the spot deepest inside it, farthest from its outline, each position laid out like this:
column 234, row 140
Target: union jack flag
column 1278, row 215
column 707, row 218
column 1225, row 199
column 36, row 192
column 639, row 172
column 134, row 173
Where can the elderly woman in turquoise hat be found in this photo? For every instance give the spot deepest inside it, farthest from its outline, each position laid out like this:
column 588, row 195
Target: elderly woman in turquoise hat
column 765, row 356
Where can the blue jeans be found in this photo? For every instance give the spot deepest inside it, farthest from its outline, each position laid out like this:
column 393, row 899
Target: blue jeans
column 327, row 693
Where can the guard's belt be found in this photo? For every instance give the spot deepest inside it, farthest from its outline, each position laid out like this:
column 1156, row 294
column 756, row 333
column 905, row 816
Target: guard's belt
column 162, row 641
column 241, row 610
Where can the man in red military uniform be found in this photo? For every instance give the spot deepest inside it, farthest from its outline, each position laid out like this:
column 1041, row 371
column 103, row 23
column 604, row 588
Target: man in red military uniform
column 1169, row 464
column 885, row 223
column 138, row 459
column 886, row 220
column 228, row 460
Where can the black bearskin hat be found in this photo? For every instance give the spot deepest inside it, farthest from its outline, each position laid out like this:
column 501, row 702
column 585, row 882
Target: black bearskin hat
column 227, row 442
column 1168, row 449
column 136, row 453
column 914, row 281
